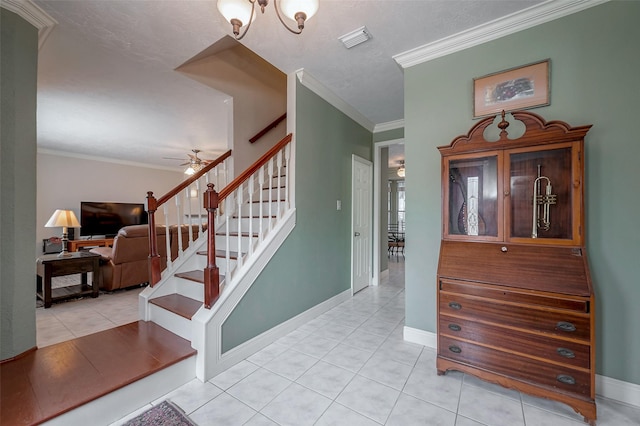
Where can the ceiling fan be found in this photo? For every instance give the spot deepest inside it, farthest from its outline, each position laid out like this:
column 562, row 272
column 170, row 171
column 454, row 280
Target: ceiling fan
column 194, row 162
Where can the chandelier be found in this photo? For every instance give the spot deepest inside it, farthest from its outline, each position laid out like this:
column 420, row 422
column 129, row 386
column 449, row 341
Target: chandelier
column 241, row 13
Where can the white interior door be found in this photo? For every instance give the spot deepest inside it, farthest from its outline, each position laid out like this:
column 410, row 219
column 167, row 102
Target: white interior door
column 361, row 229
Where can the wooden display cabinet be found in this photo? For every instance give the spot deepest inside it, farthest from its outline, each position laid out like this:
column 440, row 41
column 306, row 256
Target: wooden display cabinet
column 515, row 299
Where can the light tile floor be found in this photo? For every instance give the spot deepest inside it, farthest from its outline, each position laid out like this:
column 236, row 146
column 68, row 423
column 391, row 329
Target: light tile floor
column 79, row 317
column 349, row 366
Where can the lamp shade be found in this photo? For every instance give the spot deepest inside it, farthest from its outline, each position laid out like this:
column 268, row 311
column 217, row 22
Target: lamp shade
column 63, row 218
column 291, row 7
column 235, row 9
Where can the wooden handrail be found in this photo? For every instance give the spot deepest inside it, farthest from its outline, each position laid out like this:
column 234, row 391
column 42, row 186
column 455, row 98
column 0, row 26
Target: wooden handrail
column 152, row 204
column 264, row 131
column 254, row 167
column 193, row 178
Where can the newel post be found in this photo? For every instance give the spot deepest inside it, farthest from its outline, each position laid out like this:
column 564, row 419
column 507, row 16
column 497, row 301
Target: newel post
column 211, row 272
column 155, row 269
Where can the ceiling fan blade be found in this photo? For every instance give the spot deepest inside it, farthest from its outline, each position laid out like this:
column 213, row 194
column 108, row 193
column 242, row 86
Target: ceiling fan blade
column 173, row 158
column 185, row 164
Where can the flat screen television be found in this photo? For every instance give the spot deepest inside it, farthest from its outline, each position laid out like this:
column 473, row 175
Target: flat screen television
column 101, row 218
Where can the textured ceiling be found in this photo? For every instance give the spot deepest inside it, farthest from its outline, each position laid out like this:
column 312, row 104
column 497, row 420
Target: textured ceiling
column 107, row 85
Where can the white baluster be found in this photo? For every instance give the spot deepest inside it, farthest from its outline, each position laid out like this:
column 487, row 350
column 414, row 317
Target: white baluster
column 250, row 215
column 287, row 154
column 239, row 205
column 260, row 212
column 270, row 184
column 188, row 197
column 179, row 223
column 279, row 177
column 165, row 209
column 227, row 242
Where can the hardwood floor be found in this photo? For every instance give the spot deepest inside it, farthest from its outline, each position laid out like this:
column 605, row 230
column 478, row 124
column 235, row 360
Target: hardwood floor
column 58, row 378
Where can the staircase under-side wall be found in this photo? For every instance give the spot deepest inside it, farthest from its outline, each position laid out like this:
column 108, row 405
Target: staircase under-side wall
column 255, row 213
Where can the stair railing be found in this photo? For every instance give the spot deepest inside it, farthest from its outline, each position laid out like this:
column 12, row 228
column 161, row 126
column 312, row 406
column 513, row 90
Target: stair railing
column 268, row 174
column 175, row 213
column 270, row 126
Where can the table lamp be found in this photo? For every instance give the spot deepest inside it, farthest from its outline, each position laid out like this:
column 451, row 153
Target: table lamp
column 66, row 219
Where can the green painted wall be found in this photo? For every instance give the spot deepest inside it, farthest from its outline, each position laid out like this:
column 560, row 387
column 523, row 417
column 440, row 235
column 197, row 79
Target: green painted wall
column 595, row 69
column 388, row 135
column 18, row 79
column 313, row 264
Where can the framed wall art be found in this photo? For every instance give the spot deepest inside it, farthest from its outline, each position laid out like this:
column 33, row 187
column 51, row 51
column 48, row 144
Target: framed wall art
column 517, row 88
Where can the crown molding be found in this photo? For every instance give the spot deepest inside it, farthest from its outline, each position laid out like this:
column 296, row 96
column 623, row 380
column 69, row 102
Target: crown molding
column 389, row 125
column 33, row 14
column 106, row 160
column 310, row 82
column 515, row 22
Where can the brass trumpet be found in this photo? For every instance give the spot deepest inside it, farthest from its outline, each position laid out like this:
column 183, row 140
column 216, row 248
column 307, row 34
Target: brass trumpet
column 541, row 204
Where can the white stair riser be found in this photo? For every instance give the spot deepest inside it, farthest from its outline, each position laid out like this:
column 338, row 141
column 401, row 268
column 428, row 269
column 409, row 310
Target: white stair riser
column 254, row 208
column 233, row 243
column 190, row 289
column 172, row 322
column 274, row 194
column 255, row 223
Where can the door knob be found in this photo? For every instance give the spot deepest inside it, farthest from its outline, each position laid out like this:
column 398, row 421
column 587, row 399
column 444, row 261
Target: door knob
column 357, row 234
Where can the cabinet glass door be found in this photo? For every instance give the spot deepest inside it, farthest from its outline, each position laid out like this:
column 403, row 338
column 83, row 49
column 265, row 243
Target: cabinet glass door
column 541, row 194
column 472, row 197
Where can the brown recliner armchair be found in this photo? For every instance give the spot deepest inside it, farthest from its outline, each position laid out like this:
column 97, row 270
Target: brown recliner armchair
column 126, row 264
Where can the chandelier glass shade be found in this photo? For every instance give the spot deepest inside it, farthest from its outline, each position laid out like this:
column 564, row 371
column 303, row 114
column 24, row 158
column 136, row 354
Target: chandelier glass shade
column 241, row 13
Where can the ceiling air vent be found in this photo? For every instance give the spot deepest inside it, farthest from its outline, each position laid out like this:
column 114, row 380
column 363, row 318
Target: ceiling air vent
column 355, row 38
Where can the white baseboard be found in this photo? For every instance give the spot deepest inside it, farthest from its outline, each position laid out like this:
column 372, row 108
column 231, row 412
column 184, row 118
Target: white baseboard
column 237, row 354
column 421, row 337
column 606, row 387
column 628, row 393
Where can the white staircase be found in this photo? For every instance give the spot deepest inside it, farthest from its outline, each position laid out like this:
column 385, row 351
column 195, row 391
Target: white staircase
column 251, row 217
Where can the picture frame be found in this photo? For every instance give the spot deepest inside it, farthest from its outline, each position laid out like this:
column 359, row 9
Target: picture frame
column 524, row 87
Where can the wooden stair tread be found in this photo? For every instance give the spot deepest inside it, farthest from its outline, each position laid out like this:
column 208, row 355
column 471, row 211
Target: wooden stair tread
column 235, row 234
column 197, row 275
column 221, row 253
column 181, row 305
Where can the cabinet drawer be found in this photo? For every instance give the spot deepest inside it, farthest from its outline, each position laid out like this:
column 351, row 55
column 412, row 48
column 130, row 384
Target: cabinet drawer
column 517, row 367
column 528, row 317
column 556, row 301
column 527, row 344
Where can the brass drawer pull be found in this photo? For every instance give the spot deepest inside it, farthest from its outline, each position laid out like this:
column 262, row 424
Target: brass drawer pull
column 455, row 349
column 566, row 379
column 454, row 327
column 567, row 353
column 455, row 305
column 565, row 326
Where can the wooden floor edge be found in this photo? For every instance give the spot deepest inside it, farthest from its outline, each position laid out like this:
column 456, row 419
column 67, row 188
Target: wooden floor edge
column 20, row 355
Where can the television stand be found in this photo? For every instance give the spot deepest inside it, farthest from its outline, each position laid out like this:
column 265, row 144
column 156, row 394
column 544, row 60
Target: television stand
column 77, row 245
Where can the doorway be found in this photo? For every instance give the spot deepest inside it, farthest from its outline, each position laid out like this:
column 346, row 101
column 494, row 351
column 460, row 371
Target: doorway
column 388, row 159
column 361, row 230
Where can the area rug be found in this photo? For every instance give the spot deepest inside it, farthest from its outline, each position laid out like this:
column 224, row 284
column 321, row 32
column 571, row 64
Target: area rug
column 164, row 414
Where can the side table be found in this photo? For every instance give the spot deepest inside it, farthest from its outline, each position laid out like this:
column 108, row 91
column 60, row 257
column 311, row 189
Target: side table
column 49, row 266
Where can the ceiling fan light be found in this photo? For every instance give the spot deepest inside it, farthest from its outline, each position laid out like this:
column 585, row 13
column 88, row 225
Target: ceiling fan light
column 294, row 8
column 239, row 10
column 189, row 171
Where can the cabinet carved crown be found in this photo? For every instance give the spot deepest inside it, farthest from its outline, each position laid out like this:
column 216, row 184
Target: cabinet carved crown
column 527, row 189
